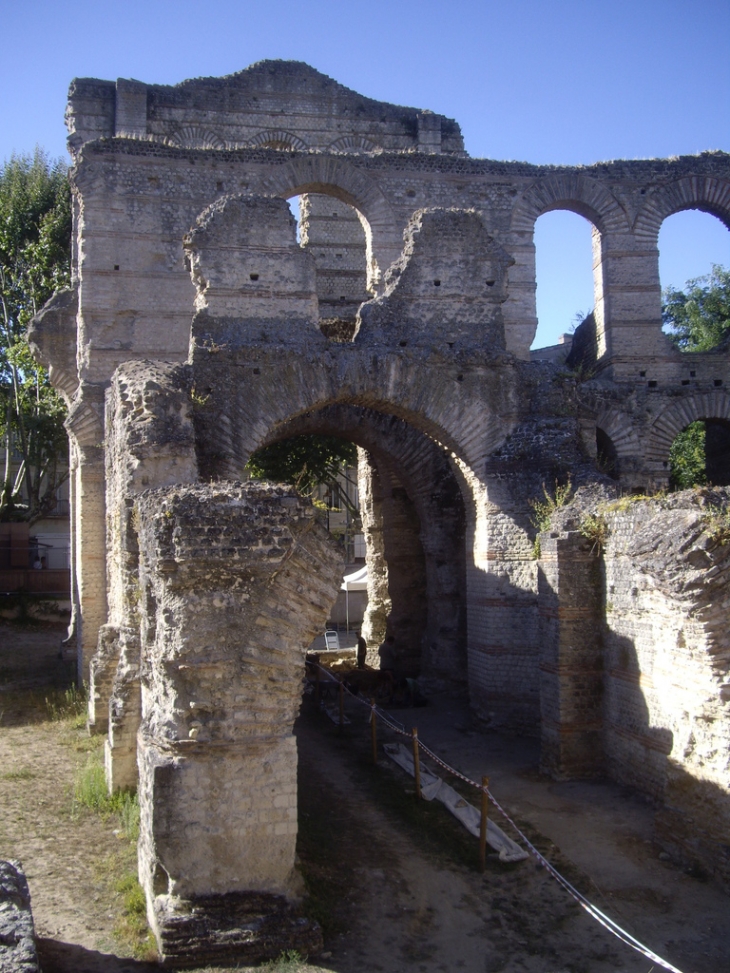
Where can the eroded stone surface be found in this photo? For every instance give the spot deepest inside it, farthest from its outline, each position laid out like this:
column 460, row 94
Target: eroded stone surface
column 204, row 331
column 17, row 934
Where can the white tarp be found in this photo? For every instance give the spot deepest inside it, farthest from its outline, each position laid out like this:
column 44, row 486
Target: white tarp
column 357, row 581
column 433, row 787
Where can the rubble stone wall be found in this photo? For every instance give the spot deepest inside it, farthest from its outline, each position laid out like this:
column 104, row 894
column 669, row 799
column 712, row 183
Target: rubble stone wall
column 194, row 336
column 667, row 667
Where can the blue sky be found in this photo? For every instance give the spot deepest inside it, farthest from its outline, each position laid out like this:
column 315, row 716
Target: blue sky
column 562, row 82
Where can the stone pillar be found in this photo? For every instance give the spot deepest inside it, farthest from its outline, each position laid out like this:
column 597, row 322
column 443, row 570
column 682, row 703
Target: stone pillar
column 149, row 443
column 237, row 580
column 89, row 544
column 379, row 606
column 628, row 311
column 502, row 621
column 519, row 310
column 571, row 664
column 332, row 232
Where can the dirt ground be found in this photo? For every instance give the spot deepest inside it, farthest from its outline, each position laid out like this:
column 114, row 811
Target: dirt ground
column 393, row 881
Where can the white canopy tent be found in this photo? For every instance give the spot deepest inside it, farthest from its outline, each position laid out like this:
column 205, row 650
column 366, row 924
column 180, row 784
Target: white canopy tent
column 357, row 581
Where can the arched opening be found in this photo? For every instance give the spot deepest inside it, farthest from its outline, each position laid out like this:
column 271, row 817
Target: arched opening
column 691, row 243
column 567, row 249
column 606, row 454
column 414, row 525
column 700, row 455
column 335, row 234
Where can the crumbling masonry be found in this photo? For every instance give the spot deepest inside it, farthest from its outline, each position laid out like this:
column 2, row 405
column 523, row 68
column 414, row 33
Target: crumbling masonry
column 199, row 329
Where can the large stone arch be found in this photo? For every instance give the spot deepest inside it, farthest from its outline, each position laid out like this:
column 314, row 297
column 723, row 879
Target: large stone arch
column 710, row 194
column 576, row 193
column 428, row 600
column 449, row 405
column 333, row 175
column 667, row 426
column 572, row 191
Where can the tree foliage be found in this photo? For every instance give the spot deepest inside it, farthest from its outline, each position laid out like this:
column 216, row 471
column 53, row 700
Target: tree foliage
column 687, row 462
column 305, row 462
column 35, row 237
column 698, row 318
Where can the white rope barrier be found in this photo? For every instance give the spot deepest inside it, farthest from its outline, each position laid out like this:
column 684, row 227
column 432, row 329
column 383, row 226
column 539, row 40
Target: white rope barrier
column 592, row 910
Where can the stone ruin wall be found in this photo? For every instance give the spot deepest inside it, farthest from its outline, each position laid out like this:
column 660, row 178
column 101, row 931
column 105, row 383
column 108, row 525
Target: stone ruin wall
column 458, row 432
column 635, row 665
column 667, row 668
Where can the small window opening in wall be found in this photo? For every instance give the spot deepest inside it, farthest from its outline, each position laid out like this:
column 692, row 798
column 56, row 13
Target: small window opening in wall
column 692, row 374
column 437, row 283
column 459, row 378
column 490, row 283
column 652, row 384
column 116, row 266
column 410, row 193
column 343, row 298
column 450, row 344
column 642, row 374
column 685, row 381
column 254, row 276
column 717, row 383
column 334, row 215
column 257, row 371
column 665, row 464
column 643, row 192
column 339, row 256
column 402, row 343
column 219, row 186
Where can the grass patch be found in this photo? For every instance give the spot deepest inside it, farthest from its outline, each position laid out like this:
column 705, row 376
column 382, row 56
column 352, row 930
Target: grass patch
column 90, row 791
column 289, row 962
column 717, row 524
column 119, row 871
column 131, row 933
column 22, row 774
column 68, row 704
column 131, row 929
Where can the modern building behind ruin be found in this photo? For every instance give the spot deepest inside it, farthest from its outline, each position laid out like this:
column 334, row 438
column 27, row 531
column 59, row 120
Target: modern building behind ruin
column 199, row 329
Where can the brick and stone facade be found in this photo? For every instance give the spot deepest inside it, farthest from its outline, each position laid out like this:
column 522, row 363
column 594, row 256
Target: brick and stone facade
column 199, row 329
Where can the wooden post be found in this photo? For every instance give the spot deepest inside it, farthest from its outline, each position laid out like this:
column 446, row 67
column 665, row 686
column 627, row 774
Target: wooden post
column 416, row 762
column 342, row 707
column 483, row 825
column 374, row 730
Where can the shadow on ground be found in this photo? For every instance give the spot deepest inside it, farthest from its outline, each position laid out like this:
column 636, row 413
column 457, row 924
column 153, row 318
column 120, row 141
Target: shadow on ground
column 56, row 957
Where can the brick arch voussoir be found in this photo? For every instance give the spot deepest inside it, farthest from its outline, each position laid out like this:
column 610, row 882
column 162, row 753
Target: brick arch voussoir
column 668, row 425
column 619, row 428
column 386, row 384
column 710, row 194
column 274, row 136
column 333, row 176
column 570, row 191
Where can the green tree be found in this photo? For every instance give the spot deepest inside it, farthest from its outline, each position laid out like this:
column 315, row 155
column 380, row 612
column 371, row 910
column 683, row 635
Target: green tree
column 35, row 238
column 687, row 465
column 698, row 318
column 305, row 462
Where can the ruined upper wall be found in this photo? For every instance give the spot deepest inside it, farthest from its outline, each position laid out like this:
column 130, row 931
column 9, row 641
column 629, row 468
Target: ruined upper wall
column 277, row 104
